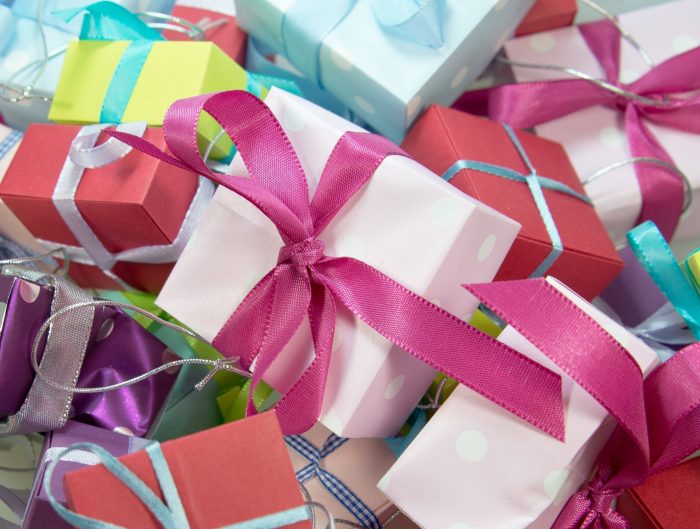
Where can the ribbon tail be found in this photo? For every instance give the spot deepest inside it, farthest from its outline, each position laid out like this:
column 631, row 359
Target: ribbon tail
column 300, row 408
column 447, row 343
column 662, row 190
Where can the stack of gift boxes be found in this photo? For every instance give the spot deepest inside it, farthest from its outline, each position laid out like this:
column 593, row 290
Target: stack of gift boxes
column 377, row 263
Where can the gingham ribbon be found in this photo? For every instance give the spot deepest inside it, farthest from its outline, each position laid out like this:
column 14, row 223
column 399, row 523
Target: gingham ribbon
column 10, row 140
column 347, row 498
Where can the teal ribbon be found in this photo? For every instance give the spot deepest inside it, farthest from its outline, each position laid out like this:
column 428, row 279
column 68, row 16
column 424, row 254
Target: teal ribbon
column 398, row 445
column 536, row 184
column 308, row 22
column 109, row 21
column 655, row 255
column 170, row 514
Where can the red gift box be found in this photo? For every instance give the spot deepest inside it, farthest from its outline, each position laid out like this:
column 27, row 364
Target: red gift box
column 546, row 15
column 666, row 501
column 588, row 262
column 134, row 202
column 229, row 37
column 229, row 474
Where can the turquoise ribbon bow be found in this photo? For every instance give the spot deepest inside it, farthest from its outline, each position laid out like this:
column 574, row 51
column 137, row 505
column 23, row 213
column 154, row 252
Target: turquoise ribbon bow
column 170, row 514
column 308, row 22
column 653, row 252
column 536, row 184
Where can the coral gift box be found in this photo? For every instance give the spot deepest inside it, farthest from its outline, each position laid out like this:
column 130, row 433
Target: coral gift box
column 406, row 222
column 229, row 474
column 444, row 136
column 133, row 202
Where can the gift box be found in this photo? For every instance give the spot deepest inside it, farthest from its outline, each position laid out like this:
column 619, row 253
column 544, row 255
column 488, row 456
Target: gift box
column 465, row 148
column 39, row 512
column 117, row 349
column 21, row 45
column 384, row 78
column 665, row 501
column 548, row 14
column 225, row 475
column 19, row 456
column 225, row 34
column 587, row 13
column 10, row 226
column 487, row 469
column 123, row 207
column 596, row 137
column 342, row 473
column 192, row 68
column 405, row 209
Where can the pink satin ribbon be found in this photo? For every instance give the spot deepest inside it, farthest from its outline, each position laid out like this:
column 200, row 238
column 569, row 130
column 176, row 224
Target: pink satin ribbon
column 526, row 105
column 658, row 418
column 308, row 282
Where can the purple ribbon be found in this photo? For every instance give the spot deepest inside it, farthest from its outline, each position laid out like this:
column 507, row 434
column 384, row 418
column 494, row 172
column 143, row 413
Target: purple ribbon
column 307, row 282
column 526, row 105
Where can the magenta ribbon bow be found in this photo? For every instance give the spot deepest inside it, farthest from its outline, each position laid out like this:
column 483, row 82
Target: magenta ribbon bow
column 526, row 105
column 306, row 281
column 658, row 418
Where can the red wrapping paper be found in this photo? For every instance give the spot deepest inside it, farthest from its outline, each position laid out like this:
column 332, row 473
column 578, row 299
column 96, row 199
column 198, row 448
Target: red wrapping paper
column 136, row 201
column 225, row 475
column 589, row 261
column 546, row 15
column 229, row 37
column 670, row 500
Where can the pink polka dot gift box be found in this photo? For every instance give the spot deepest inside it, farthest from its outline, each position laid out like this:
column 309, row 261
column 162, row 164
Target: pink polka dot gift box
column 474, row 466
column 406, row 222
column 659, row 94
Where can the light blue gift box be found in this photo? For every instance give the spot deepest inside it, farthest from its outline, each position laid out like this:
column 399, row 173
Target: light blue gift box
column 21, row 45
column 384, row 78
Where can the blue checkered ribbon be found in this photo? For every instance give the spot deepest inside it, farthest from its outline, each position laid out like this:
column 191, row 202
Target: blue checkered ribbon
column 347, row 498
column 536, row 183
column 10, row 140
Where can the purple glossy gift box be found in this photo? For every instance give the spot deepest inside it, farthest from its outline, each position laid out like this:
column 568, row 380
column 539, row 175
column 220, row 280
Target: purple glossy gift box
column 40, row 514
column 118, row 349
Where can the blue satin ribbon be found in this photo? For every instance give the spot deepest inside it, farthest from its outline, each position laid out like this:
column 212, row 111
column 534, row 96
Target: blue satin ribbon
column 655, row 255
column 9, row 141
column 170, row 514
column 109, row 21
column 536, row 184
column 332, row 483
column 308, row 22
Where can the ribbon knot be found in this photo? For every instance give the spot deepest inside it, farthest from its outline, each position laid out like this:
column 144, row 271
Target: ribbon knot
column 601, row 499
column 302, row 254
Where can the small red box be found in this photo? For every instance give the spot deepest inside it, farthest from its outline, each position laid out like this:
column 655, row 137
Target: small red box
column 227, row 36
column 229, row 474
column 670, row 500
column 133, row 202
column 589, row 261
column 546, row 15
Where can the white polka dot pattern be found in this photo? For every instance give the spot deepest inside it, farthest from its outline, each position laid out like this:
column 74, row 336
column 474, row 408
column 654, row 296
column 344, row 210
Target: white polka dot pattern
column 394, row 387
column 486, row 248
column 472, row 446
column 29, row 292
column 542, row 42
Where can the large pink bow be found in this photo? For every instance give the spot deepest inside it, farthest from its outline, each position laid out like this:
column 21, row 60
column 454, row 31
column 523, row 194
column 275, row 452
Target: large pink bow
column 308, row 282
column 669, row 84
column 658, row 418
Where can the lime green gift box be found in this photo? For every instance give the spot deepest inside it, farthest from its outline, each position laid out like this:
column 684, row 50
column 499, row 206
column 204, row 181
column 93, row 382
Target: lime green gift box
column 172, row 71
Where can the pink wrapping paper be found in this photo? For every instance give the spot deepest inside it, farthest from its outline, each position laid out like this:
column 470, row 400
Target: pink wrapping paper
column 406, row 222
column 486, row 469
column 595, row 137
column 10, row 226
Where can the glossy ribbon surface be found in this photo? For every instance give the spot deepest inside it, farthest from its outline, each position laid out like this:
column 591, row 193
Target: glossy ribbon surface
column 169, row 513
column 535, row 183
column 656, row 257
column 308, row 22
column 307, row 282
column 332, row 483
column 671, row 83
